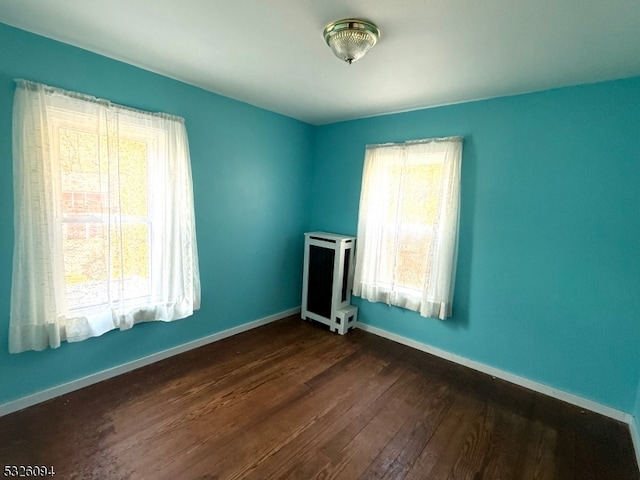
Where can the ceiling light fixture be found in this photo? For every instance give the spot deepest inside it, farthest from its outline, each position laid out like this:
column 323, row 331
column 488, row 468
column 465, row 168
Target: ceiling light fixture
column 351, row 38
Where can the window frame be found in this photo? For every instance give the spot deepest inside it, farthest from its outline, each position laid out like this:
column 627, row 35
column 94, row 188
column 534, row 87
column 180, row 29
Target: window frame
column 81, row 122
column 384, row 265
column 422, row 228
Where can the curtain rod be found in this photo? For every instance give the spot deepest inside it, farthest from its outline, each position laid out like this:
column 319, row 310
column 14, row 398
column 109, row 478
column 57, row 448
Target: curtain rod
column 30, row 85
column 458, row 138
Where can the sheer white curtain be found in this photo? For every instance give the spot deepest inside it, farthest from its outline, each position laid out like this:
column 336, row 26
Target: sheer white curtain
column 104, row 218
column 408, row 225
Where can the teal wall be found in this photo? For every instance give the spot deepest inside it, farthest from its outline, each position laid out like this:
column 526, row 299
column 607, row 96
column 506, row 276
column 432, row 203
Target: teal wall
column 549, row 271
column 250, row 169
column 548, row 283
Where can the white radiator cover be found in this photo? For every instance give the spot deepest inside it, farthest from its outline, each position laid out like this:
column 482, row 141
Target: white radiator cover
column 327, row 280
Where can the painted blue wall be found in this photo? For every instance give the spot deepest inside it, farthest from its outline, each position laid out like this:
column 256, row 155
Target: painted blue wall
column 548, row 267
column 250, row 168
column 549, row 263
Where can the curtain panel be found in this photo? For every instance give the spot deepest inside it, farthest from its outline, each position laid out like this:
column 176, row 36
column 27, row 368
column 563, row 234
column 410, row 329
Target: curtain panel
column 408, row 225
column 104, row 218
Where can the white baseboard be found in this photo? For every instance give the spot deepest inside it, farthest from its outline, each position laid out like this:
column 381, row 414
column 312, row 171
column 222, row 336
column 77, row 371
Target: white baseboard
column 509, row 377
column 635, row 438
column 59, row 390
column 50, row 393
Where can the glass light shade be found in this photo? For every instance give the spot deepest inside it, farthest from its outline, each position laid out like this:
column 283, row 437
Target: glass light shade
column 351, row 38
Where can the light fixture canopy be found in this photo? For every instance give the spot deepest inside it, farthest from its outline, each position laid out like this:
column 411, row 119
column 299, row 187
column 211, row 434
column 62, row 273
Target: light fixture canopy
column 351, row 38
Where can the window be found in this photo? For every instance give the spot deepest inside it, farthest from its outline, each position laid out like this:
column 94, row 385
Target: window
column 408, row 225
column 105, row 231
column 95, row 249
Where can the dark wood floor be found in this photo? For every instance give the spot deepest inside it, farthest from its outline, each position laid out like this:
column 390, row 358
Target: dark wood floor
column 291, row 400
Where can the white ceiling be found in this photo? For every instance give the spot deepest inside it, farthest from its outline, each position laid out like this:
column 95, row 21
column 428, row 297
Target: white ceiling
column 270, row 53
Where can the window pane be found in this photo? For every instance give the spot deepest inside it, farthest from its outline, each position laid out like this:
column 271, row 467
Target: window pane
column 132, row 175
column 407, row 262
column 412, row 261
column 419, row 214
column 85, row 263
column 421, row 183
column 91, row 250
column 386, row 265
column 105, row 225
column 79, row 160
column 130, row 252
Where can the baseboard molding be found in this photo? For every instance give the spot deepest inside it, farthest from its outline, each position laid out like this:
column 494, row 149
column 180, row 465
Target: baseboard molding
column 24, row 402
column 63, row 389
column 509, row 377
column 635, row 438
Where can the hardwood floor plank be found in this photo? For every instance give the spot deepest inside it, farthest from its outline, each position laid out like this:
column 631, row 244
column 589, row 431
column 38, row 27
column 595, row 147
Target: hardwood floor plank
column 478, row 447
column 354, row 458
column 223, row 411
column 603, row 446
column 447, row 440
column 537, row 460
column 305, row 420
column 324, row 447
column 408, row 441
column 501, row 464
column 292, row 400
column 282, row 424
column 352, row 395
